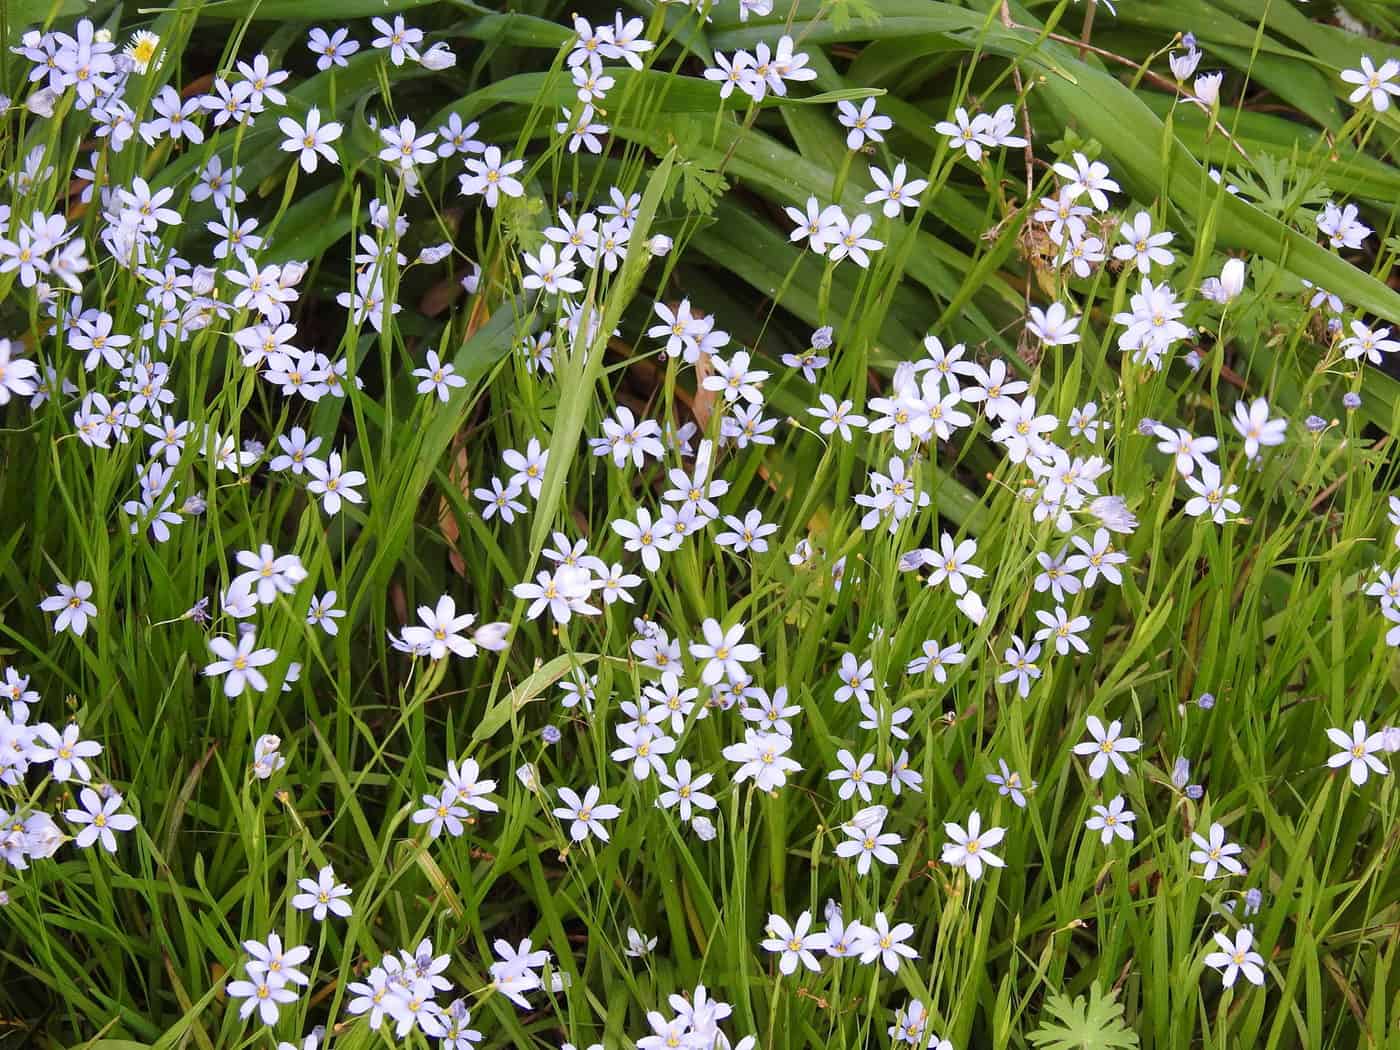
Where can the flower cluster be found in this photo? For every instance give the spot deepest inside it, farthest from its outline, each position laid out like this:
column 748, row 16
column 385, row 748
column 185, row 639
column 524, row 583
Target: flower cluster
column 758, row 592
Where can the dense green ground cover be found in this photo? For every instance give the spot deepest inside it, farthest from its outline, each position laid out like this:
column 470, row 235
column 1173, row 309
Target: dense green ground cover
column 870, row 437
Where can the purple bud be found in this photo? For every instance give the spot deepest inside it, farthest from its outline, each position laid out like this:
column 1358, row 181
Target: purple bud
column 1316, row 424
column 1205, row 701
column 1146, row 426
column 1181, row 772
column 1194, row 792
column 551, row 734
column 1351, row 400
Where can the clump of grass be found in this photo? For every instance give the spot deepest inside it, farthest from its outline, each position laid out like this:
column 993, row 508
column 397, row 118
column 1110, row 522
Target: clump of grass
column 712, row 527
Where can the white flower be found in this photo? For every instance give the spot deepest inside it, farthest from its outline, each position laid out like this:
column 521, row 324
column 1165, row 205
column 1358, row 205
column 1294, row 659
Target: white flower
column 1232, row 278
column 563, row 592
column 333, row 49
column 585, row 813
column 643, row 749
column 65, row 750
column 864, row 123
column 269, row 573
column 1342, row 226
column 847, row 238
column 735, row 379
column 971, row 606
column 725, row 652
column 1212, row 497
column 1236, row 957
column 1214, row 852
column 441, row 631
column 936, row 658
column 398, row 39
column 405, row 148
column 953, row 563
column 1184, row 65
column 1373, row 84
column 683, row 789
column 1141, row 245
column 17, row 376
column 72, row 606
column 856, row 775
column 322, row 895
column 438, row 57
column 239, row 663
column 970, row 848
column 438, row 377
column 1369, row 343
column 441, row 812
column 262, row 996
column 1087, row 177
column 1107, row 745
column 892, row 192
column 881, row 941
column 638, row 945
column 1112, row 820
column 837, row 417
column 963, row 132
column 1063, row 630
column 747, row 533
column 762, row 757
column 333, row 483
column 1255, row 426
column 310, row 140
column 813, row 225
column 1358, row 752
column 795, row 943
column 1053, row 327
column 866, row 844
column 99, row 818
column 490, row 176
column 1207, row 88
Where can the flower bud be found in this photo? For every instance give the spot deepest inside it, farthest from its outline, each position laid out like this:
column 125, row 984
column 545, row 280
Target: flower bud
column 41, row 102
column 491, row 636
column 1208, row 88
column 972, row 607
column 291, row 274
column 438, row 57
column 869, row 818
column 1183, row 66
column 1232, row 279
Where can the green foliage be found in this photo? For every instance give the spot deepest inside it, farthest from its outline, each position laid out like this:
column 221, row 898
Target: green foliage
column 701, row 188
column 1080, row 1024
column 1268, row 612
column 1282, row 188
